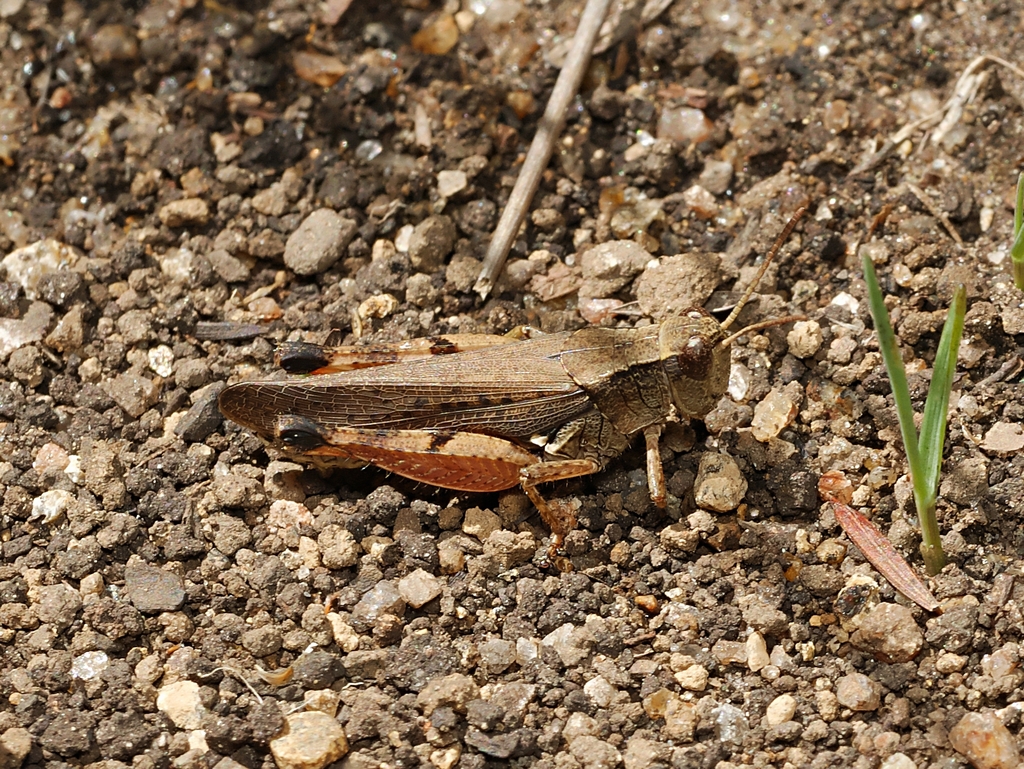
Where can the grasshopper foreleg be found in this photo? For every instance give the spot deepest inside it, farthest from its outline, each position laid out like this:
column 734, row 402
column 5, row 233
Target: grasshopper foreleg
column 655, row 471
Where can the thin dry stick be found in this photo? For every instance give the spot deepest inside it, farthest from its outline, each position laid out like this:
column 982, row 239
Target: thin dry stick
column 548, row 129
column 965, row 89
column 933, row 209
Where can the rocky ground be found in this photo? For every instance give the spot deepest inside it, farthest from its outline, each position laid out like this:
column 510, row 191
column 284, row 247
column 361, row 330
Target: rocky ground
column 185, row 184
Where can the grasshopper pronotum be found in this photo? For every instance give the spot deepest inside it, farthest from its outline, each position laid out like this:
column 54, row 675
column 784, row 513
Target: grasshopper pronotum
column 476, row 412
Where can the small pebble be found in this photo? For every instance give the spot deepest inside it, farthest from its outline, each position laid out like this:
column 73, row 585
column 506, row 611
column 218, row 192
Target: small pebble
column 720, row 486
column 181, row 703
column 161, row 360
column 90, row 665
column 701, row 202
column 480, row 523
column 674, row 284
column 431, row 243
column 419, row 588
column 730, row 652
column 50, row 505
column 888, row 631
column 527, row 650
column 836, row 116
column 521, row 102
column 451, row 182
column 757, row 653
column 318, row 242
column 383, row 598
column 594, row 753
column 781, row 709
column 1004, row 438
column 694, row 678
column 452, row 560
column 984, row 741
column 509, row 549
column 572, row 644
column 26, row 266
column 318, row 69
column 898, row 761
column 403, row 238
column 805, row 339
column 497, row 655
column 731, row 724
column 600, row 691
column 185, row 212
column 132, row 392
column 378, row 306
column 69, row 333
column 716, row 176
column 323, row 701
column 684, row 124
column 152, row 590
column 368, row 150
column 310, row 740
column 454, row 691
column 113, row 42
column 438, row 37
column 774, row 413
column 338, row 547
column 947, row 663
column 50, row 458
column 858, row 692
column 609, row 267
column 922, row 102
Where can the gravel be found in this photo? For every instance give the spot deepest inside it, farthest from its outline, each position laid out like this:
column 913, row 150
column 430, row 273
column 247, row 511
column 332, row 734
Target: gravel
column 179, row 194
column 318, row 242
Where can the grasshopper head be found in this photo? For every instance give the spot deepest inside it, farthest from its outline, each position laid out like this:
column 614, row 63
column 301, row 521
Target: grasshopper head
column 694, row 347
column 695, row 360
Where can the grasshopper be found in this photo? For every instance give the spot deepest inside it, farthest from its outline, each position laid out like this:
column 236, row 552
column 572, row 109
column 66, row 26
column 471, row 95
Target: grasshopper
column 484, row 413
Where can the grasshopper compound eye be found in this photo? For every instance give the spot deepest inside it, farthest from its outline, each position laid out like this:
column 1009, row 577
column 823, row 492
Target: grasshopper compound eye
column 690, row 358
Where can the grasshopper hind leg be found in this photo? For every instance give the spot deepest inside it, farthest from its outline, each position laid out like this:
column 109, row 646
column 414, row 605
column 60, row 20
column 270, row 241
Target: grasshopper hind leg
column 458, row 460
column 559, row 514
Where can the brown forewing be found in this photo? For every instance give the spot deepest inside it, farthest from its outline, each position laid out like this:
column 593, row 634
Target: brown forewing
column 515, row 390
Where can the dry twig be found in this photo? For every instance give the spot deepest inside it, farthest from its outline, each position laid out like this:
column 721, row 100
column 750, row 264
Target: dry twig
column 947, row 116
column 548, row 129
column 934, row 210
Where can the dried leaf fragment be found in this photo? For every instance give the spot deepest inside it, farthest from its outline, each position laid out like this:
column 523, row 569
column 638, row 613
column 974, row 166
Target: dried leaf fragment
column 883, row 556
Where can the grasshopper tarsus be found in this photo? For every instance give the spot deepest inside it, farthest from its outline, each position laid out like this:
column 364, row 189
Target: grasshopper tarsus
column 484, row 413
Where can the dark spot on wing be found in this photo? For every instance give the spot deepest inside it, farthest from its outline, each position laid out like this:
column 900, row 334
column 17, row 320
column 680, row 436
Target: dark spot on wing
column 439, row 440
column 442, row 345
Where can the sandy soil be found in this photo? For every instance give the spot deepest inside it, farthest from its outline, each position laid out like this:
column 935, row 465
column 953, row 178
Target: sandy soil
column 173, row 593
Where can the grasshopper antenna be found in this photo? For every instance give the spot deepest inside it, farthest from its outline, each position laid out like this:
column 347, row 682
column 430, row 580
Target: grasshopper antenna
column 776, row 247
column 760, row 326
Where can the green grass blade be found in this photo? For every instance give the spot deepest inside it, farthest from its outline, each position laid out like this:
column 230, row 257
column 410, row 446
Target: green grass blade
column 897, row 373
column 936, row 407
column 1018, row 211
column 1017, row 257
